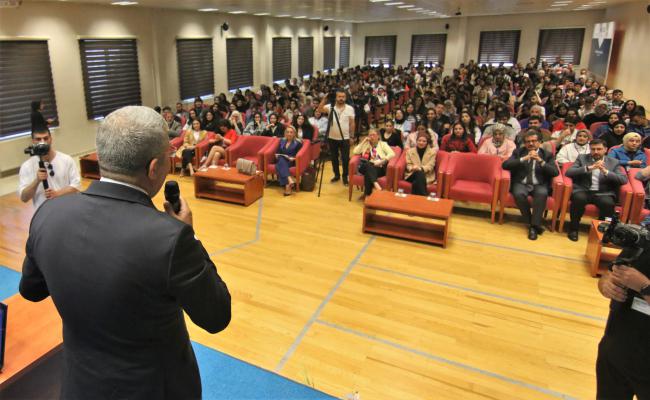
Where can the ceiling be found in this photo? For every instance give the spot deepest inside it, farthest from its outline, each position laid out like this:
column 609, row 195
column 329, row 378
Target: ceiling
column 373, row 10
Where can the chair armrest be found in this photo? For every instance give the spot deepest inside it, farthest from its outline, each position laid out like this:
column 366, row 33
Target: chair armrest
column 353, row 165
column 505, row 184
column 390, row 169
column 267, row 154
column 176, row 142
column 303, row 157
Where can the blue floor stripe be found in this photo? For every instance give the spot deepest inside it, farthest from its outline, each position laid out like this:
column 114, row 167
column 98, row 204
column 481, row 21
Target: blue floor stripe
column 447, row 361
column 225, row 377
column 484, row 293
column 322, row 305
column 258, row 228
column 9, row 280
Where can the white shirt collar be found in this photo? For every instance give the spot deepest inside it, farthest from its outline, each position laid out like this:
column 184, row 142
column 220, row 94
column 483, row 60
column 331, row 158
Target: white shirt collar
column 109, row 180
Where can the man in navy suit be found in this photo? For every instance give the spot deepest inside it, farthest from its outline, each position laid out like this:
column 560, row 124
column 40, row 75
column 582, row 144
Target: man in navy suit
column 121, row 273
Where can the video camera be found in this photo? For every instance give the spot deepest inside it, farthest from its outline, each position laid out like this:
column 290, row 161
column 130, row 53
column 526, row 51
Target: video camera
column 38, row 149
column 633, row 239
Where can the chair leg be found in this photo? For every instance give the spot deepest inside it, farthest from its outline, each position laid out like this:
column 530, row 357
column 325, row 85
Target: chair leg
column 501, row 214
column 350, row 191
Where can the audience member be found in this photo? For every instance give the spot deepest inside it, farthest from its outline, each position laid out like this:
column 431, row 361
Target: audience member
column 639, row 123
column 341, row 134
column 458, row 140
column 375, row 155
column 630, row 154
column 420, row 164
column 319, row 121
column 225, row 137
column 188, row 149
column 173, row 125
column 596, row 180
column 256, row 127
column 571, row 151
column 209, row 122
column 498, row 144
column 274, row 128
column 304, row 129
column 286, row 158
column 599, row 114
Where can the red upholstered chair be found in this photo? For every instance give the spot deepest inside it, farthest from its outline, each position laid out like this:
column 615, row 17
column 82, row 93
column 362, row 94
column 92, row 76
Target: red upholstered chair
column 315, row 149
column 386, row 182
column 201, row 149
column 250, row 148
column 553, row 202
column 623, row 205
column 442, row 158
column 637, row 210
column 474, row 177
column 594, row 127
column 302, row 160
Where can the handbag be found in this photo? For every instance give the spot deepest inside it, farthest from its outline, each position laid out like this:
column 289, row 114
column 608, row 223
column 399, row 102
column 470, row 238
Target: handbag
column 308, row 180
column 246, row 167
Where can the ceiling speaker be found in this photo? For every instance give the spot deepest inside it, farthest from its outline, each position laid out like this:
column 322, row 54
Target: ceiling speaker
column 326, row 28
column 225, row 26
column 446, row 26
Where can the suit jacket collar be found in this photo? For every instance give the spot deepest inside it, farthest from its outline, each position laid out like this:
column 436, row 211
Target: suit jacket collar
column 118, row 192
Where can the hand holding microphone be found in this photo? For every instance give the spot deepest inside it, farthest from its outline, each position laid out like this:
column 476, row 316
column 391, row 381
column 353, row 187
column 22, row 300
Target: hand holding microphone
column 175, row 205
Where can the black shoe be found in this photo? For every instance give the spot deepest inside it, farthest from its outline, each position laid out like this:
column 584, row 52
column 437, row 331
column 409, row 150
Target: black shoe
column 539, row 229
column 335, row 179
column 532, row 233
column 573, row 236
column 345, row 181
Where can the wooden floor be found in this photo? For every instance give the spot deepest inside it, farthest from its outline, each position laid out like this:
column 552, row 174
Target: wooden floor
column 492, row 316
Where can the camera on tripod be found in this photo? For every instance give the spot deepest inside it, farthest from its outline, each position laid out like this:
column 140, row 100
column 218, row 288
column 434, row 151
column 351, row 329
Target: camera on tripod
column 633, row 239
column 38, row 149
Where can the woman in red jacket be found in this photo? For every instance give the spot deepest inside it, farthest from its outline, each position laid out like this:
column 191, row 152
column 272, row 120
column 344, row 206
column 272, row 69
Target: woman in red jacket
column 458, row 140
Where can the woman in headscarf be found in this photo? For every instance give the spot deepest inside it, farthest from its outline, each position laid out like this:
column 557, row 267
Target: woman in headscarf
column 571, row 151
column 630, row 154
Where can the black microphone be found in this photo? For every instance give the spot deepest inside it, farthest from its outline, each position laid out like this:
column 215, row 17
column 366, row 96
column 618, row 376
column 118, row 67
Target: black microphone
column 41, row 165
column 172, row 195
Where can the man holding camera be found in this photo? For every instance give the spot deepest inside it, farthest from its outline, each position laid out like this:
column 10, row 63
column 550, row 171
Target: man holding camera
column 341, row 132
column 57, row 176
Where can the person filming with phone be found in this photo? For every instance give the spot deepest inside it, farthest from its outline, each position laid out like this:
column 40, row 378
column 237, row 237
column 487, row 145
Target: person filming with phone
column 122, row 274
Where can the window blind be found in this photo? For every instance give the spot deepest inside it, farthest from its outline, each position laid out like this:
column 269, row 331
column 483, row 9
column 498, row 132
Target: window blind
column 239, row 54
column 111, row 75
column 195, row 67
column 498, row 47
column 429, row 49
column 344, row 51
column 281, row 58
column 305, row 56
column 564, row 43
column 329, row 52
column 25, row 76
column 380, row 50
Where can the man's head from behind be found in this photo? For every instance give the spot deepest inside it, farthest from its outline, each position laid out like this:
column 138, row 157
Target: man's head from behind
column 132, row 146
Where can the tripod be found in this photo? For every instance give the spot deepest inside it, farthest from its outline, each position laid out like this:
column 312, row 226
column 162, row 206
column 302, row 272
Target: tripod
column 320, row 166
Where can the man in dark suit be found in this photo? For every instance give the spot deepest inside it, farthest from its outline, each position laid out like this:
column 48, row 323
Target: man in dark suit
column 532, row 169
column 121, row 273
column 596, row 180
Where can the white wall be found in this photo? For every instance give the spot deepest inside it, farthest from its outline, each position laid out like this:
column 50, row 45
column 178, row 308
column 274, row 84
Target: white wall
column 634, row 58
column 464, row 33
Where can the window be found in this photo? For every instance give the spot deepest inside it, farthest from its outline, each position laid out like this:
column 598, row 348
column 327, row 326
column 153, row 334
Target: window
column 25, row 76
column 429, row 49
column 195, row 67
column 305, row 56
column 563, row 43
column 380, row 50
column 281, row 58
column 111, row 75
column 239, row 54
column 329, row 52
column 344, row 51
column 498, row 47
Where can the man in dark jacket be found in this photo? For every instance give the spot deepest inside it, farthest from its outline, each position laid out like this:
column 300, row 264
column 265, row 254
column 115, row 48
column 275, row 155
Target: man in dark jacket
column 532, row 169
column 121, row 273
column 596, row 180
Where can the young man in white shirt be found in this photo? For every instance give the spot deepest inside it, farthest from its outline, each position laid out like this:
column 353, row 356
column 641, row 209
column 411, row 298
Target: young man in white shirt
column 341, row 133
column 60, row 174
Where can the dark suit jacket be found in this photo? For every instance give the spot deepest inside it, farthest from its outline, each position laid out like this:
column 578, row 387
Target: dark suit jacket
column 607, row 184
column 518, row 169
column 121, row 273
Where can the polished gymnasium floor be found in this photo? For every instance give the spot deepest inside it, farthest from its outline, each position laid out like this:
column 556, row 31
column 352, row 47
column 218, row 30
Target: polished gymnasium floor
column 493, row 316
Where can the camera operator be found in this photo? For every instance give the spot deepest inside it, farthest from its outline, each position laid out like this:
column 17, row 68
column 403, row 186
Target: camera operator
column 59, row 172
column 341, row 133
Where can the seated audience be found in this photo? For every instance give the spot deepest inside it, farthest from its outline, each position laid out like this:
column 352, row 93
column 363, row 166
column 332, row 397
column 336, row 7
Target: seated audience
column 304, row 130
column 274, row 127
column 391, row 135
column 599, row 114
column 256, row 127
column 236, row 122
column 209, row 122
column 286, row 158
column 532, row 170
column 411, row 139
column 181, row 113
column 375, row 156
column 320, row 121
column 173, row 125
column 401, row 123
column 615, row 136
column 630, row 154
column 567, row 134
column 458, row 141
column 188, row 149
column 188, row 123
column 470, row 126
column 571, row 151
column 498, row 144
column 611, row 120
column 596, row 180
column 420, row 164
column 639, row 123
column 225, row 137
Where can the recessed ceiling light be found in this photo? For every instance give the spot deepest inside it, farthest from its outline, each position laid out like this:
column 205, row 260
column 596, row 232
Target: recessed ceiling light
column 283, row 15
column 301, row 17
column 415, row 9
column 328, row 19
column 377, row 1
column 237, row 12
column 395, row 3
column 406, row 6
column 315, row 19
column 261, row 14
column 124, row 3
column 208, row 9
